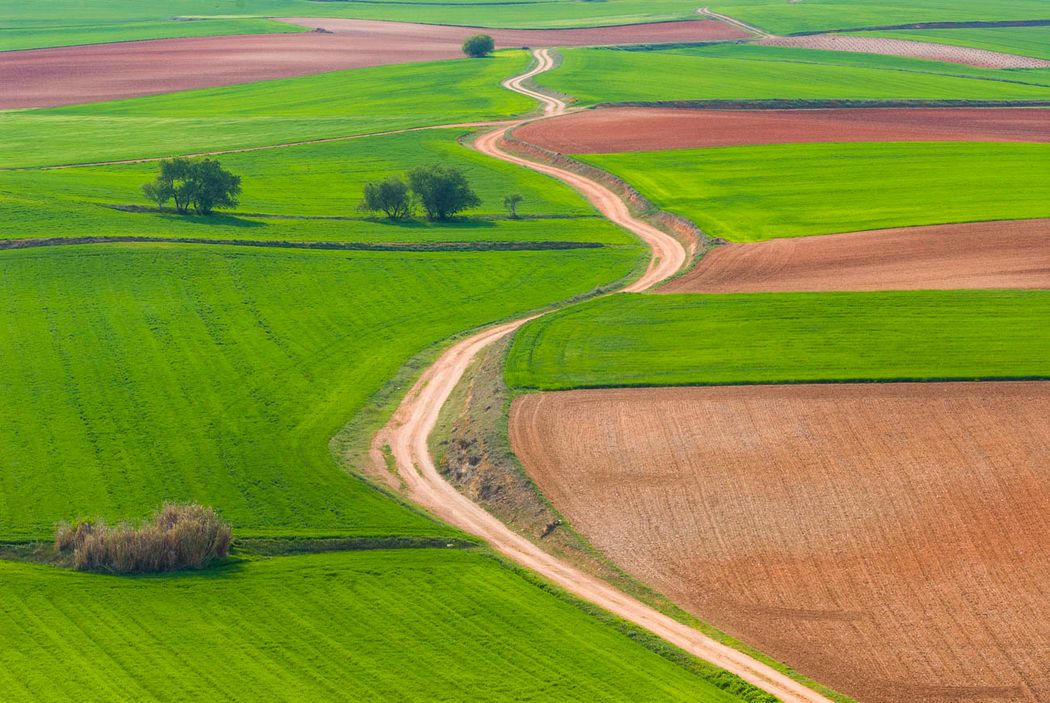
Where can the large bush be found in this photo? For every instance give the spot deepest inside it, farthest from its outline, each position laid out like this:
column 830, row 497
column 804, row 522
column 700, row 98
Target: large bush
column 186, row 536
column 478, row 46
column 203, row 185
column 443, row 192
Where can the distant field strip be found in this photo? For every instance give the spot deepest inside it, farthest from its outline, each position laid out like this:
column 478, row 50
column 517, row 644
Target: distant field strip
column 895, row 46
column 365, row 626
column 646, row 340
column 753, row 193
column 785, row 18
column 341, row 104
column 624, row 129
column 219, row 374
column 1023, row 41
column 884, row 539
column 1010, row 254
column 749, row 72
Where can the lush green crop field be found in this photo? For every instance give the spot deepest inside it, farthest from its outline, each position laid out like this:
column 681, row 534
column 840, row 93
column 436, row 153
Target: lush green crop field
column 743, row 72
column 641, row 340
column 762, row 192
column 316, row 181
column 1026, row 41
column 343, row 103
column 365, row 626
column 26, row 25
column 133, row 374
column 782, row 17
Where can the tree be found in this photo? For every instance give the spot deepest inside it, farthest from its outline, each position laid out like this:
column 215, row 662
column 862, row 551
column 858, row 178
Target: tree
column 202, row 185
column 443, row 192
column 390, row 196
column 511, row 202
column 479, row 46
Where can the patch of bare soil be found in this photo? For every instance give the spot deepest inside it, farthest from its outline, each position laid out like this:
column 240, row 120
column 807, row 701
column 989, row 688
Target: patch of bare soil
column 888, row 540
column 932, row 51
column 1013, row 254
column 93, row 73
column 613, row 130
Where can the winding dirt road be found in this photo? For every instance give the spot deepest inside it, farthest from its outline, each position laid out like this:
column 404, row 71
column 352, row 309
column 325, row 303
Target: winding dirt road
column 408, row 431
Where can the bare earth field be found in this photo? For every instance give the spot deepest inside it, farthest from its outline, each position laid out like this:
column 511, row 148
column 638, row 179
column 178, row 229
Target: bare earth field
column 887, row 540
column 1012, row 254
column 624, row 129
column 82, row 74
column 915, row 49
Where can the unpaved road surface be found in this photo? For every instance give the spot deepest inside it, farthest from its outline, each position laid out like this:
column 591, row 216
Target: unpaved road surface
column 93, row 73
column 1008, row 254
column 624, row 129
column 888, row 540
column 407, row 432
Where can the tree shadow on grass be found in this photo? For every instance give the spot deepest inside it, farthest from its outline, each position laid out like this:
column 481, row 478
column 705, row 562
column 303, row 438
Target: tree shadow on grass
column 213, row 220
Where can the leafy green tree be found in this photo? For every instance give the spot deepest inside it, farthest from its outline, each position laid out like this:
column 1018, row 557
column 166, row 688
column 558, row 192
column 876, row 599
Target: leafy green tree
column 479, row 46
column 443, row 192
column 511, row 202
column 203, row 185
column 390, row 196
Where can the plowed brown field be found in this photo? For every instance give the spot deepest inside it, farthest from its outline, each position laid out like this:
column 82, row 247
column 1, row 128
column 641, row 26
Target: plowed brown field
column 612, row 130
column 888, row 540
column 82, row 74
column 914, row 49
column 1014, row 254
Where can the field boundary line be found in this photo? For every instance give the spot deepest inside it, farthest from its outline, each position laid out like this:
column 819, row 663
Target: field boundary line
column 407, row 435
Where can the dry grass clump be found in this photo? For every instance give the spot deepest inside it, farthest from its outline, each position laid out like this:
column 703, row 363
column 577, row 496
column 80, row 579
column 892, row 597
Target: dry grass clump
column 180, row 536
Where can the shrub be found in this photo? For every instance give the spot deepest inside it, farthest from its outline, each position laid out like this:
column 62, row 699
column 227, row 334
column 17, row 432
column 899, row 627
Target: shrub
column 390, row 196
column 180, row 536
column 443, row 192
column 479, row 46
column 204, row 185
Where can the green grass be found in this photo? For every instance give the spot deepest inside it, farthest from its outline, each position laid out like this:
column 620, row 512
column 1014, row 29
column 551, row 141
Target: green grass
column 744, row 72
column 25, row 25
column 135, row 374
column 787, row 190
column 366, row 626
column 343, row 103
column 319, row 180
column 650, row 340
column 782, row 17
column 1025, row 41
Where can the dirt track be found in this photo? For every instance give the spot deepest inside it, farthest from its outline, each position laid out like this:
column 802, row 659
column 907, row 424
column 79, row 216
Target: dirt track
column 1012, row 254
column 889, row 540
column 83, row 74
column 913, row 49
column 407, row 433
column 612, row 130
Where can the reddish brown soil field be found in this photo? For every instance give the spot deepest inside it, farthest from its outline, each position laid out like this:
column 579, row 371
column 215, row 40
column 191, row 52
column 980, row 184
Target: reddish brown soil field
column 612, row 130
column 914, row 49
column 888, row 540
column 81, row 74
column 1014, row 254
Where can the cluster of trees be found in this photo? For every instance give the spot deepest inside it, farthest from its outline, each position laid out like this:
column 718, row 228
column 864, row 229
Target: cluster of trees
column 441, row 192
column 202, row 185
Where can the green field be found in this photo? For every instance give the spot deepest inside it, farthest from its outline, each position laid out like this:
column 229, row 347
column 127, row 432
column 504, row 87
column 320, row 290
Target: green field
column 135, row 374
column 787, row 190
column 365, row 626
column 649, row 340
column 27, row 25
column 780, row 17
column 744, row 72
column 343, row 103
column 305, row 183
column 1025, row 41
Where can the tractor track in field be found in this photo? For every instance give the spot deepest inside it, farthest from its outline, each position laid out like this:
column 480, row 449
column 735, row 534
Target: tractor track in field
column 407, row 433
